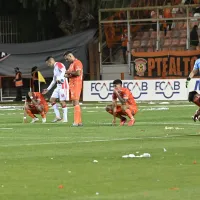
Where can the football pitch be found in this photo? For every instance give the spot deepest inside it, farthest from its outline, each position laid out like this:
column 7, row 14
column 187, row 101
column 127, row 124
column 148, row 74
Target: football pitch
column 54, row 161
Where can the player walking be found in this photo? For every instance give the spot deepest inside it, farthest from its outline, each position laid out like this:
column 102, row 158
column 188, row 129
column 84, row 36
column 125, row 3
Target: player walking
column 75, row 75
column 60, row 92
column 128, row 105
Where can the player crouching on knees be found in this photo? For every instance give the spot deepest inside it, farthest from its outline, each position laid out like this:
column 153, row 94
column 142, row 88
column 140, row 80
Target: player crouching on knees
column 35, row 103
column 128, row 105
column 195, row 98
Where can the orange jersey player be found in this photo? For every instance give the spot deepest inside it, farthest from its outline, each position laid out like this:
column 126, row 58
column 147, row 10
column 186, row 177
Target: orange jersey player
column 35, row 104
column 75, row 75
column 128, row 105
column 195, row 98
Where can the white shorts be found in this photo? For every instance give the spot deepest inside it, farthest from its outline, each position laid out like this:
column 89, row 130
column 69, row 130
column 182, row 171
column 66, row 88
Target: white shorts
column 60, row 94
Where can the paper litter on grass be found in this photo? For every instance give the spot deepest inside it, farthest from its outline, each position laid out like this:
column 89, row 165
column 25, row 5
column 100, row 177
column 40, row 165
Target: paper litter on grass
column 144, row 155
column 177, row 128
column 155, row 109
column 173, row 128
column 163, row 103
column 151, row 102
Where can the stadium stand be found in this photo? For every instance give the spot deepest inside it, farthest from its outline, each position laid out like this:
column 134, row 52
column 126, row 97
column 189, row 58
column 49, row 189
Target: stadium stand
column 171, row 36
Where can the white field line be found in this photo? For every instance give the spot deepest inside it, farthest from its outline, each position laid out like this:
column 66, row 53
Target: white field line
column 153, row 123
column 6, row 128
column 103, row 106
column 104, row 123
column 42, row 137
column 91, row 141
column 146, row 106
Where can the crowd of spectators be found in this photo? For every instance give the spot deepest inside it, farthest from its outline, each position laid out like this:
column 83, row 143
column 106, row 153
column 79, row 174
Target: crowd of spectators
column 165, row 26
column 168, row 25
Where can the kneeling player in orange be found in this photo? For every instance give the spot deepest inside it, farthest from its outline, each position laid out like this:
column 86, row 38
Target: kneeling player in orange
column 35, row 104
column 195, row 98
column 128, row 105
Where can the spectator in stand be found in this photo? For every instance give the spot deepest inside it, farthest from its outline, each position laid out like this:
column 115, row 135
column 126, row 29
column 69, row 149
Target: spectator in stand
column 124, row 40
column 177, row 12
column 194, row 38
column 153, row 21
column 168, row 14
column 197, row 14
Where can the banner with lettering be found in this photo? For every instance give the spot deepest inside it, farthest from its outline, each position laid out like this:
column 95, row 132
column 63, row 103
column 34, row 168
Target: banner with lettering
column 164, row 64
column 142, row 90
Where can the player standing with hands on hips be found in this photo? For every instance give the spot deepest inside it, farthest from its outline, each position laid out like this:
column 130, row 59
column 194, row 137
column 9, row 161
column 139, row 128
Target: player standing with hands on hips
column 60, row 92
column 75, row 75
column 195, row 70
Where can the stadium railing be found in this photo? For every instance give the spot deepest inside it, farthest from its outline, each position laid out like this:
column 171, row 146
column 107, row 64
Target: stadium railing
column 141, row 36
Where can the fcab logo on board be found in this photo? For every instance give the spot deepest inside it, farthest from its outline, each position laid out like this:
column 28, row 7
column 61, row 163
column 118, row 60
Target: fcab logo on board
column 105, row 89
column 167, row 88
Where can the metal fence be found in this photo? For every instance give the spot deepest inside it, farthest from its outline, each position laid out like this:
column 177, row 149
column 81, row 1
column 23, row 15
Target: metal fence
column 11, row 32
column 144, row 33
column 8, row 30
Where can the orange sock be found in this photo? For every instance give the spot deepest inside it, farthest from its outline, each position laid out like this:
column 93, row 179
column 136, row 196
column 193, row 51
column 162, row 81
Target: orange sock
column 30, row 113
column 77, row 114
column 43, row 114
column 128, row 112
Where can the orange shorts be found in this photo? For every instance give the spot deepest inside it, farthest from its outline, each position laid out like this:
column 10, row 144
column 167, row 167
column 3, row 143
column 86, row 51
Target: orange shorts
column 35, row 111
column 132, row 108
column 75, row 93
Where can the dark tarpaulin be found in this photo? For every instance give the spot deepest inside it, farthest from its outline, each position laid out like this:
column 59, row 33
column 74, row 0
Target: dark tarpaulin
column 27, row 55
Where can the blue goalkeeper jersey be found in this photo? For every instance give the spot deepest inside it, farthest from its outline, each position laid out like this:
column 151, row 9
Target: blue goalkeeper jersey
column 197, row 64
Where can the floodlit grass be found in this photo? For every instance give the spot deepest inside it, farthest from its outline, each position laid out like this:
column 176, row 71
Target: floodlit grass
column 37, row 159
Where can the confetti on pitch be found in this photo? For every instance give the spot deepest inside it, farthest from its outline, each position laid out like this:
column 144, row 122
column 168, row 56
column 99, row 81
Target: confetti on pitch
column 174, row 188
column 173, row 128
column 144, row 155
column 60, row 186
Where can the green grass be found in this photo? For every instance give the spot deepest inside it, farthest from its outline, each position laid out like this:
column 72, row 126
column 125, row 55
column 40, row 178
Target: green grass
column 36, row 158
